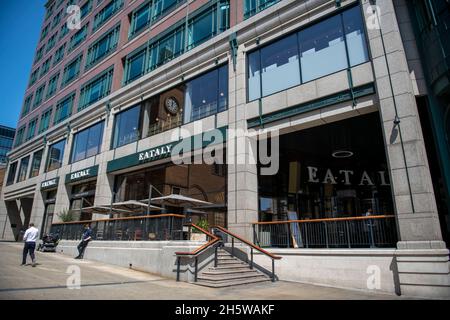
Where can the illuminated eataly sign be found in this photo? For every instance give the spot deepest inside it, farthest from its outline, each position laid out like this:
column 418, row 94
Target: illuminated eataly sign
column 345, row 177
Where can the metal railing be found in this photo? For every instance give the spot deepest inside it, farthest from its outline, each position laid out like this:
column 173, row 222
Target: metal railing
column 353, row 232
column 252, row 248
column 152, row 227
column 164, row 125
column 212, row 240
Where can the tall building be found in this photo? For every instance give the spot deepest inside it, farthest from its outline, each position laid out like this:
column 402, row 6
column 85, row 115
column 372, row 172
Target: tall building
column 354, row 94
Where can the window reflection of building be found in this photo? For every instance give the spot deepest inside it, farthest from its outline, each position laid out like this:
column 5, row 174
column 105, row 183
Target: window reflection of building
column 83, row 196
column 49, row 201
column 316, row 181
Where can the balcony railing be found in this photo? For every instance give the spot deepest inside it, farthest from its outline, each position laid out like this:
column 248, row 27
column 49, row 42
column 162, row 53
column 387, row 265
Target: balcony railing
column 164, row 125
column 353, row 232
column 148, row 228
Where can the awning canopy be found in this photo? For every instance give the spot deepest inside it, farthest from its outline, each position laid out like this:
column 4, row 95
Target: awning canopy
column 104, row 210
column 134, row 205
column 180, row 200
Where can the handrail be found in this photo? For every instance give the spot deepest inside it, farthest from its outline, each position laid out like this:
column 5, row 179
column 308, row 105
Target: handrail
column 197, row 251
column 249, row 243
column 252, row 246
column 125, row 218
column 325, row 220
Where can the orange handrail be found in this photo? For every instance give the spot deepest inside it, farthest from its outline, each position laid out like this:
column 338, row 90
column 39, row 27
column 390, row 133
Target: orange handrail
column 325, row 220
column 213, row 240
column 249, row 243
column 125, row 218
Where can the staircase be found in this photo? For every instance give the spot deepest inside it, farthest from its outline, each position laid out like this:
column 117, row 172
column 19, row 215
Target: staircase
column 230, row 271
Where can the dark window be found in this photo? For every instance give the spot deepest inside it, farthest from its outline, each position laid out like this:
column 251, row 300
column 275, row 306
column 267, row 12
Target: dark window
column 23, row 169
column 55, row 155
column 64, row 108
column 87, row 143
column 11, row 173
column 206, row 95
column 127, row 127
column 96, row 89
column 36, row 164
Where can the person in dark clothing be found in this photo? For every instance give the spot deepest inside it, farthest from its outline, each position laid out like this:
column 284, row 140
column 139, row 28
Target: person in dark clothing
column 87, row 236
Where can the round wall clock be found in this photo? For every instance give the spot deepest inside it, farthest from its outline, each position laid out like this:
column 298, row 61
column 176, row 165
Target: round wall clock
column 171, row 105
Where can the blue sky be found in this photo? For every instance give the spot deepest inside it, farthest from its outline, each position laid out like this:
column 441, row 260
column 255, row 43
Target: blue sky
column 20, row 26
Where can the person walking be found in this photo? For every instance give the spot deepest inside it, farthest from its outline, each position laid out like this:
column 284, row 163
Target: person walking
column 87, row 236
column 30, row 237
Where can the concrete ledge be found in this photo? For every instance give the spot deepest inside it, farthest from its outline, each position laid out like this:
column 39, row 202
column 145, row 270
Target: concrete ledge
column 157, row 257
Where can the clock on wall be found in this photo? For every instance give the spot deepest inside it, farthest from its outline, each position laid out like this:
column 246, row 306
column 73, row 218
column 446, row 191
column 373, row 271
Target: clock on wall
column 171, row 105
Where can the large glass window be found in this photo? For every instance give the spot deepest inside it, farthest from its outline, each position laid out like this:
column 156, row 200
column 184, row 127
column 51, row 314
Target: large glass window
column 71, row 70
column 27, row 105
column 252, row 7
column 79, row 36
column 11, row 173
column 161, row 7
column 52, row 85
column 44, row 124
column 36, row 164
column 127, row 127
column 140, row 18
column 102, row 47
column 31, row 129
column 87, row 143
column 135, row 65
column 45, row 67
column 55, row 155
column 167, row 48
column 324, row 48
column 86, row 8
column 206, row 95
column 19, row 136
column 64, row 108
column 51, row 42
column 106, row 13
column 355, row 37
column 96, row 89
column 280, row 66
column 23, row 169
column 38, row 96
column 59, row 54
column 34, row 77
column 201, row 27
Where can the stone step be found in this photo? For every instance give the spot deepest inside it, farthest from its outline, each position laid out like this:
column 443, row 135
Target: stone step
column 224, row 258
column 231, row 283
column 234, row 261
column 213, row 271
column 237, row 266
column 217, row 278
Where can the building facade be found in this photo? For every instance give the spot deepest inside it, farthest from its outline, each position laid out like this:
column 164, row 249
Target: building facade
column 340, row 85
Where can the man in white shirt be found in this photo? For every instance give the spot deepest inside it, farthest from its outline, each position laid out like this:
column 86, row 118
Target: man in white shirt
column 30, row 237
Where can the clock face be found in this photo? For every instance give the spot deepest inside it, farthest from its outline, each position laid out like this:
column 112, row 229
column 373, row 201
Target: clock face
column 172, row 105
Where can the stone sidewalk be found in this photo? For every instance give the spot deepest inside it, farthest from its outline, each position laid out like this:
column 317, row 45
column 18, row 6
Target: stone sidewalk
column 48, row 280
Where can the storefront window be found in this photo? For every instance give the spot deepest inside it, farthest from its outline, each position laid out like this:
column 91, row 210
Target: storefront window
column 206, row 95
column 36, row 164
column 55, row 155
column 88, row 142
column 199, row 181
column 329, row 171
column 127, row 127
column 83, row 196
column 354, row 34
column 23, row 169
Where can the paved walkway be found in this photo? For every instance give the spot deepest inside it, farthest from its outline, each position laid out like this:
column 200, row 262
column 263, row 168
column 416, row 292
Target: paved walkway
column 48, row 280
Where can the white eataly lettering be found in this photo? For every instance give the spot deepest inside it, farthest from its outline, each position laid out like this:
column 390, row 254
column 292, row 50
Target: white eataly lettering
column 153, row 153
column 80, row 174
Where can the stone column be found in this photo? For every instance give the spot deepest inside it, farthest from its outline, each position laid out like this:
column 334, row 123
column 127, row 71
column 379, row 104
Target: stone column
column 422, row 259
column 242, row 175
